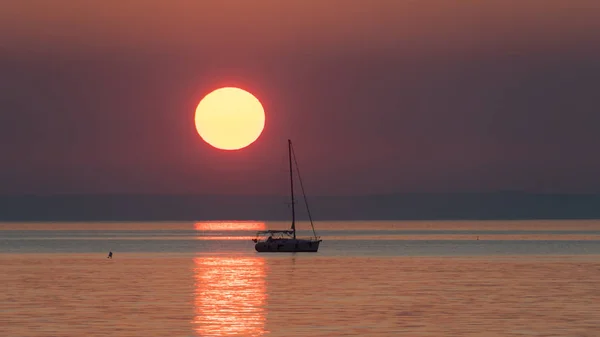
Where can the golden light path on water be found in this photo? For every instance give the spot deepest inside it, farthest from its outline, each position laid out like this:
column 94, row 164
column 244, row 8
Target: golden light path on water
column 230, row 226
column 229, row 292
column 230, row 296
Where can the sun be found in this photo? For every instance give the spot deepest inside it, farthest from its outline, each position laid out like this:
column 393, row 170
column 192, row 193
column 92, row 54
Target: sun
column 230, row 118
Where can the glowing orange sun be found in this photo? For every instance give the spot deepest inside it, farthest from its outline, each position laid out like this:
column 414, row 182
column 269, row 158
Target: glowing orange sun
column 230, row 118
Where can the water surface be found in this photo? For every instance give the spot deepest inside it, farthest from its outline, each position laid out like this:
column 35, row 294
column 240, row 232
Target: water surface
column 537, row 278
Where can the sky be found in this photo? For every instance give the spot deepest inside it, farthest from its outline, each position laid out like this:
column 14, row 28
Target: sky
column 378, row 96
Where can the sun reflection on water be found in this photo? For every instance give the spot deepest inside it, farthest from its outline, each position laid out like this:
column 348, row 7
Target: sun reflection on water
column 230, row 296
column 228, row 230
column 229, row 226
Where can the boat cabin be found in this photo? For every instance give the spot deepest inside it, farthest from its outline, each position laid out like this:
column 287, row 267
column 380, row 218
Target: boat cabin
column 272, row 235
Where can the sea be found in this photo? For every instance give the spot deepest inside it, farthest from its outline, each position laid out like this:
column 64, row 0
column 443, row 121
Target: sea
column 369, row 278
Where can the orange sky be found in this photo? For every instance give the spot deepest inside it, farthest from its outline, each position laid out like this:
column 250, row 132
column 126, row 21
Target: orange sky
column 252, row 25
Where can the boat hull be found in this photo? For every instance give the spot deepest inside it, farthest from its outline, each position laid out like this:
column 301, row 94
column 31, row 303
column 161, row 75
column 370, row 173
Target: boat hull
column 288, row 246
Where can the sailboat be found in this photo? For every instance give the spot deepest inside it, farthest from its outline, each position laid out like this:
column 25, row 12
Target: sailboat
column 285, row 241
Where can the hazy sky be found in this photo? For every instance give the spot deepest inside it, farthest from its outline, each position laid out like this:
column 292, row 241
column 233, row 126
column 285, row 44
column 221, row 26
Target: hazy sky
column 378, row 96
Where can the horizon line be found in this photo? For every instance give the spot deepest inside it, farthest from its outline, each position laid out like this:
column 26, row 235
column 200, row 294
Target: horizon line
column 129, row 194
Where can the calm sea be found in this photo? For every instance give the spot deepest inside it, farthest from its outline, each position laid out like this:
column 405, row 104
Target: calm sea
column 425, row 278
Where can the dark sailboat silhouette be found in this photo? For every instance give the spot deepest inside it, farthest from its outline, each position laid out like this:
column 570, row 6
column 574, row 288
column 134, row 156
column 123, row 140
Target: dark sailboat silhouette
column 285, row 240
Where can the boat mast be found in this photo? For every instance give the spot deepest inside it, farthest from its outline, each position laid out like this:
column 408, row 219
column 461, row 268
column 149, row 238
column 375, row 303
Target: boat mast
column 292, row 188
